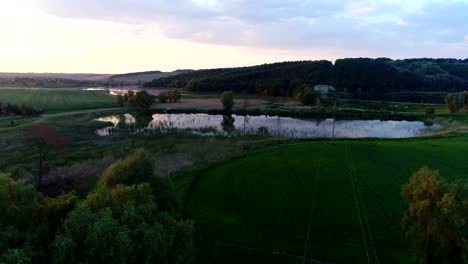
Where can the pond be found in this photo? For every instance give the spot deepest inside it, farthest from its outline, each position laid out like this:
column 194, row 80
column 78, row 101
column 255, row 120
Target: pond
column 206, row 125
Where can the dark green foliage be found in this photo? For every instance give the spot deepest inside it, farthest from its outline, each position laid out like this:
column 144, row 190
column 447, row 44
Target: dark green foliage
column 430, row 110
column 227, row 99
column 175, row 95
column 307, row 96
column 136, row 168
column 120, row 100
column 15, row 256
column 123, row 225
column 171, row 96
column 141, row 99
column 361, row 77
column 163, row 97
column 28, row 220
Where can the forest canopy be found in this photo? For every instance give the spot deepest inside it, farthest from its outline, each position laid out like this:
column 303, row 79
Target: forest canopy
column 363, row 77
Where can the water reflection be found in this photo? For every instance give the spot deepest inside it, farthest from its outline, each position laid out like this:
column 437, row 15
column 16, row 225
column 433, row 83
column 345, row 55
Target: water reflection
column 204, row 124
column 118, row 121
column 228, row 124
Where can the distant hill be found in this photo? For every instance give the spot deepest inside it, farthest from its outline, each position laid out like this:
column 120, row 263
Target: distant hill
column 57, row 80
column 359, row 77
column 137, row 78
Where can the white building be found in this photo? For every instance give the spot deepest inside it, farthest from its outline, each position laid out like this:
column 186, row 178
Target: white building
column 324, row 89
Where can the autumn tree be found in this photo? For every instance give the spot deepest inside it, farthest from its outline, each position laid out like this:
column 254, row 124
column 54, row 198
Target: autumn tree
column 451, row 102
column 464, row 99
column 45, row 139
column 436, row 218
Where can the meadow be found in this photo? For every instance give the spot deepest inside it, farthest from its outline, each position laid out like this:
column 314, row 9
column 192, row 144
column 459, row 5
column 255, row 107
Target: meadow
column 56, row 99
column 332, row 201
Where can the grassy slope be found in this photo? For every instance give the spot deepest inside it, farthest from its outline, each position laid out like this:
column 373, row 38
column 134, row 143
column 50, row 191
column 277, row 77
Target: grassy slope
column 50, row 99
column 267, row 200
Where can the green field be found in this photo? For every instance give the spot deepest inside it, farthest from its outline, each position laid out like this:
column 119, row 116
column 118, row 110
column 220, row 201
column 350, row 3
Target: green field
column 56, row 99
column 329, row 201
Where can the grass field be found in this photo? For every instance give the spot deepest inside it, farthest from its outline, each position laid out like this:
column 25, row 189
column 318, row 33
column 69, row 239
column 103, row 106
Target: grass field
column 336, row 202
column 54, row 99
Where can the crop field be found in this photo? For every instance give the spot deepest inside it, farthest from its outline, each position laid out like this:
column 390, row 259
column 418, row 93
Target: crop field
column 54, row 99
column 332, row 201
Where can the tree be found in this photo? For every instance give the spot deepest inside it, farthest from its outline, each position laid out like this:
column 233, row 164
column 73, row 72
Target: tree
column 130, row 94
column 162, row 96
column 141, row 99
column 136, row 168
column 44, row 138
column 228, row 124
column 436, row 218
column 451, row 102
column 464, row 99
column 227, row 99
column 120, row 100
column 308, row 96
column 139, row 167
column 175, row 95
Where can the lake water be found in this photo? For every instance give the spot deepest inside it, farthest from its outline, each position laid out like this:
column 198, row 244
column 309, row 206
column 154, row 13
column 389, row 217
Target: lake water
column 204, row 124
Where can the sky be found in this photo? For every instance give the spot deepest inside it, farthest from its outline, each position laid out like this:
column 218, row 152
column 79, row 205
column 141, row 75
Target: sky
column 117, row 36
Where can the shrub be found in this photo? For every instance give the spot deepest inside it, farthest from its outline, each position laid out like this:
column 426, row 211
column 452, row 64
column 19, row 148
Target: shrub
column 136, row 168
column 162, row 97
column 430, row 110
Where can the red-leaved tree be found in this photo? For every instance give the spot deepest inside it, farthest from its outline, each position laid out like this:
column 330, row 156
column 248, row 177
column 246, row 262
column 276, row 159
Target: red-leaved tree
column 44, row 138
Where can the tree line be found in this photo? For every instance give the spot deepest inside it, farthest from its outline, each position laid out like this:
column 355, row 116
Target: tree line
column 15, row 109
column 357, row 77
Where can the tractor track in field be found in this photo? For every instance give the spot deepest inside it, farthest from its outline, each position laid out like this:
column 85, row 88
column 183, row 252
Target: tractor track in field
column 313, row 208
column 360, row 203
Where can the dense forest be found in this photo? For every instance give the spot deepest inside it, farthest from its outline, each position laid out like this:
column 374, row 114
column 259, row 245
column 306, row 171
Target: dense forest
column 407, row 80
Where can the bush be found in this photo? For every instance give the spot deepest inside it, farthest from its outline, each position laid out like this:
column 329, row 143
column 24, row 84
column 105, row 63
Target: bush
column 163, row 97
column 308, row 96
column 430, row 110
column 136, row 168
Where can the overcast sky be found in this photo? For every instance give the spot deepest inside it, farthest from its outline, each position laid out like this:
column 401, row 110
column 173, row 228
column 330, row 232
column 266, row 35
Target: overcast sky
column 114, row 36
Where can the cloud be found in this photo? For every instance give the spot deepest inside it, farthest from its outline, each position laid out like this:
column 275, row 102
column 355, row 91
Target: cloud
column 368, row 27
